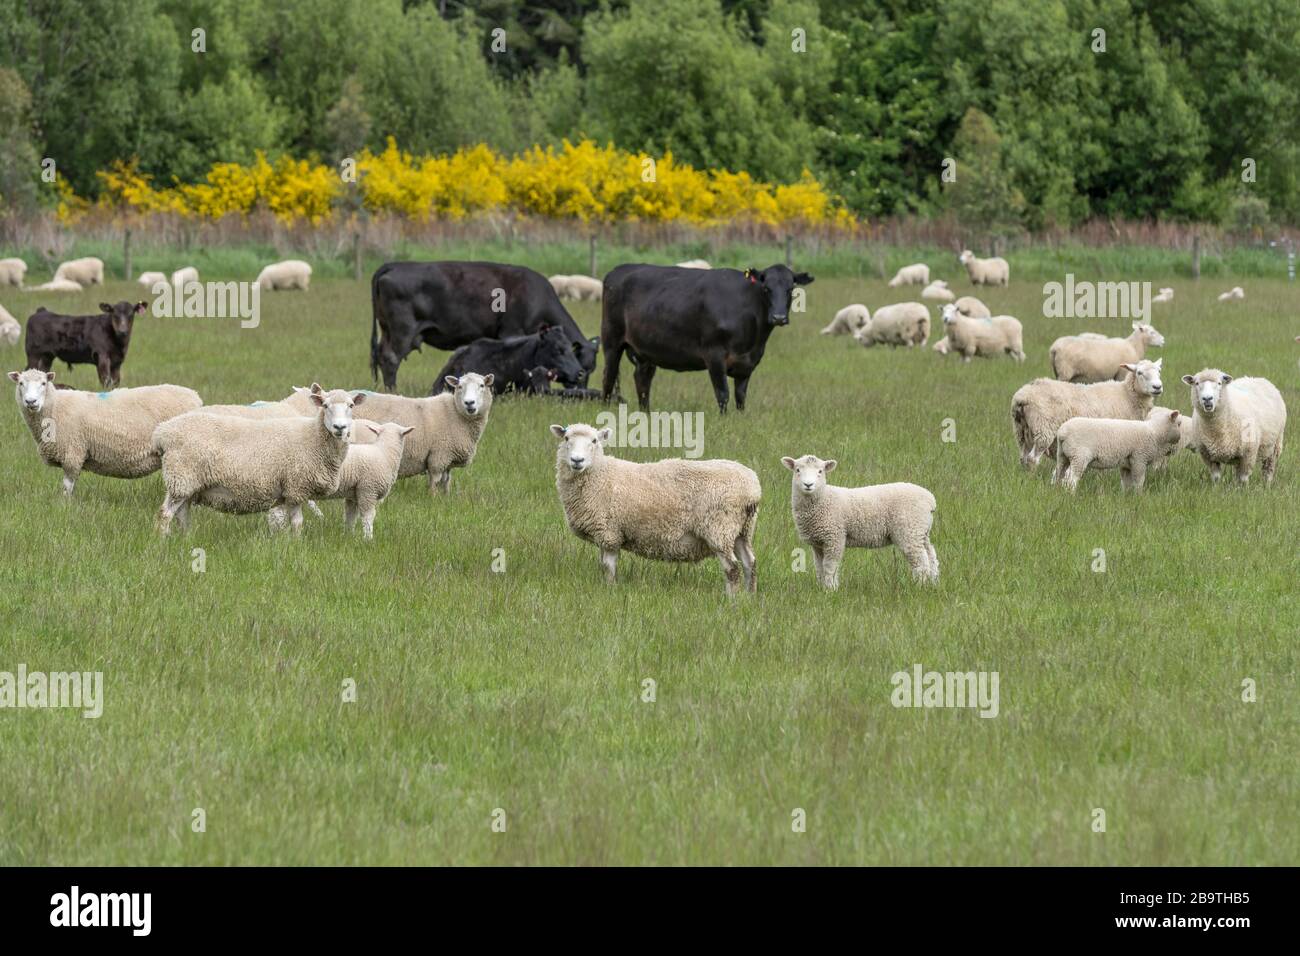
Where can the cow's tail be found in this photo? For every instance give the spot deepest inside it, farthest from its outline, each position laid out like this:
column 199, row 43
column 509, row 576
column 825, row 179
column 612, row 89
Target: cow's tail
column 374, row 324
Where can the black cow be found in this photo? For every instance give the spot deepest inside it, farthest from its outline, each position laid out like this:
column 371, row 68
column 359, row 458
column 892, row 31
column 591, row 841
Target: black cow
column 539, row 383
column 509, row 359
column 450, row 304
column 686, row 320
column 100, row 340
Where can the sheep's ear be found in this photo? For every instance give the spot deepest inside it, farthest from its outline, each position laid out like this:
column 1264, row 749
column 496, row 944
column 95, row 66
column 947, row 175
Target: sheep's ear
column 406, row 430
column 1188, row 380
column 374, row 429
column 1173, row 416
column 802, row 278
column 558, row 431
column 788, row 462
column 316, row 389
column 1129, row 366
column 604, row 435
column 452, row 381
column 1226, row 378
column 317, row 398
column 1159, row 362
column 358, row 398
column 830, row 465
column 489, row 378
column 15, row 376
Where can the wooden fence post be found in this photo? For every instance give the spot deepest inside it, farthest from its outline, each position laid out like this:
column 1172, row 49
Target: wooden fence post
column 126, row 253
column 789, row 255
column 591, row 257
column 356, row 254
column 1196, row 257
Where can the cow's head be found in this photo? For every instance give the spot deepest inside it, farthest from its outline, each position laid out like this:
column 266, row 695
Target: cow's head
column 555, row 350
column 776, row 285
column 122, row 316
column 585, row 351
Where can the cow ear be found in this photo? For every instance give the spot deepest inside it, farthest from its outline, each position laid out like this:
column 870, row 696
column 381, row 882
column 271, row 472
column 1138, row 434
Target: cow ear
column 802, row 278
column 140, row 307
column 105, row 307
column 558, row 431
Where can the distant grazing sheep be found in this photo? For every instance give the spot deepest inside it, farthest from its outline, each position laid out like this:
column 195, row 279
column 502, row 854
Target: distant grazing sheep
column 904, row 323
column 938, row 291
column 87, row 271
column 1094, row 358
column 10, row 330
column 993, row 271
column 996, row 335
column 182, row 278
column 289, row 274
column 694, row 264
column 12, row 272
column 969, row 305
column 848, row 320
column 1232, row 295
column 915, row 274
column 55, row 285
column 150, row 279
column 1164, row 295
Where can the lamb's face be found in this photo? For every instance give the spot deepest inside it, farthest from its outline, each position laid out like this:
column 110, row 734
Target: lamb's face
column 809, row 473
column 1147, row 375
column 31, row 393
column 1207, row 388
column 336, row 410
column 397, row 432
column 949, row 314
column 966, row 256
column 473, row 393
column 1149, row 335
column 580, row 446
column 1167, row 426
column 863, row 335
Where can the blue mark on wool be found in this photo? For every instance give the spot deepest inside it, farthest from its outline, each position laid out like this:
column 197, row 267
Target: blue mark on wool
column 257, row 404
column 103, row 394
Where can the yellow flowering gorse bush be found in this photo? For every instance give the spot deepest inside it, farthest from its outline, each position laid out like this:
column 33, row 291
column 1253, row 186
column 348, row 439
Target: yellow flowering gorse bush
column 582, row 181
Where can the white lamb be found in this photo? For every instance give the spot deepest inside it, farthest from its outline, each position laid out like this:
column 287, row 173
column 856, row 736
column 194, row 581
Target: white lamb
column 903, row 323
column 1095, row 358
column 938, row 291
column 969, row 305
column 916, row 274
column 1164, row 295
column 578, row 288
column 1186, row 435
column 996, row 335
column 10, row 330
column 560, row 283
column 943, row 347
column 831, row 519
column 240, row 466
column 55, row 285
column 1233, row 294
column 1238, row 421
column 993, row 271
column 105, row 433
column 671, row 510
column 1044, row 405
column 1132, row 447
column 150, row 279
column 447, row 426
column 848, row 320
column 182, row 278
column 87, row 271
column 289, row 274
column 694, row 264
column 12, row 272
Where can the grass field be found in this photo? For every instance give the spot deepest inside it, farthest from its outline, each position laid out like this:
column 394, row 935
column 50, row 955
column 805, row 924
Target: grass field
column 521, row 690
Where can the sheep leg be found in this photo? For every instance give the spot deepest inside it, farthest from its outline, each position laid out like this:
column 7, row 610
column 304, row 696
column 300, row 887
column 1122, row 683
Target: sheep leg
column 171, row 504
column 934, row 560
column 368, row 520
column 276, row 518
column 315, row 509
column 609, row 561
column 349, row 514
column 643, row 375
column 1074, row 473
column 830, row 572
column 1216, row 470
column 295, row 519
column 731, row 571
column 745, row 555
column 182, row 516
column 818, row 558
column 1137, row 475
column 718, row 376
column 70, row 479
column 1268, row 464
column 918, row 559
column 1062, row 463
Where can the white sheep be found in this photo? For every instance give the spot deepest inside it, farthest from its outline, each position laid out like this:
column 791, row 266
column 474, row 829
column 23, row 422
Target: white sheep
column 1102, row 443
column 1232, row 295
column 938, row 291
column 694, row 264
column 1091, row 357
column 672, row 510
column 995, row 335
column 182, row 278
column 969, row 305
column 1164, row 295
column 560, row 283
column 578, row 288
column 848, row 320
column 150, row 279
column 55, row 285
column 993, row 271
column 240, row 466
column 289, row 274
column 12, row 272
column 903, row 323
column 447, row 426
column 830, row 519
column 1186, row 435
column 1044, row 405
column 104, row 433
column 87, row 271
column 916, row 274
column 1238, row 421
column 943, row 347
column 10, row 330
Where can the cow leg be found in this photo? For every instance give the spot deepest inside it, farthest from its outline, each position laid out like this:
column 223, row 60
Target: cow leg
column 105, row 373
column 613, row 356
column 718, row 376
column 742, row 387
column 644, row 375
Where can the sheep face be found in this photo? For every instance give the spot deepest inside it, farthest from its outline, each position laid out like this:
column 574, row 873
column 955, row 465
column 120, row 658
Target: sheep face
column 950, row 314
column 1149, row 335
column 580, row 446
column 1207, row 388
column 472, row 393
column 336, row 409
column 31, row 392
column 809, row 473
column 966, row 256
column 386, row 428
column 1147, row 376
